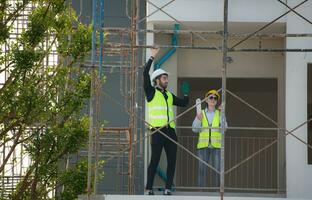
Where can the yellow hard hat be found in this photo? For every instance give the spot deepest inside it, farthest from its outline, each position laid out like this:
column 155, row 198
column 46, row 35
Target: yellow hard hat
column 215, row 92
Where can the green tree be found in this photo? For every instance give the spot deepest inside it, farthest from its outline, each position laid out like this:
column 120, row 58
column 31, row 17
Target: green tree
column 40, row 105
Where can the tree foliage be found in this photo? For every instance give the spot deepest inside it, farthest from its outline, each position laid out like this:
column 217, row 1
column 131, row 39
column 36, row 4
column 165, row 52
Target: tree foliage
column 40, row 104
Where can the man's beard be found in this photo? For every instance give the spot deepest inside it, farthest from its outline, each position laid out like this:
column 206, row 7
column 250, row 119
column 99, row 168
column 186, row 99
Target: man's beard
column 164, row 86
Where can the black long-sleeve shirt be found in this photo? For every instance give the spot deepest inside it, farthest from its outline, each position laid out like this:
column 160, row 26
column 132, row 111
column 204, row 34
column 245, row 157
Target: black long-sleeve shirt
column 150, row 90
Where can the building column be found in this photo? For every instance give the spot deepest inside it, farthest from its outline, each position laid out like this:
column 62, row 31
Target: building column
column 298, row 172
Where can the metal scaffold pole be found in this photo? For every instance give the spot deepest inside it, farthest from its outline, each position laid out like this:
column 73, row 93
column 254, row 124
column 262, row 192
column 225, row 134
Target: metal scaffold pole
column 110, row 46
column 114, row 30
column 223, row 104
column 133, row 90
column 92, row 97
column 97, row 89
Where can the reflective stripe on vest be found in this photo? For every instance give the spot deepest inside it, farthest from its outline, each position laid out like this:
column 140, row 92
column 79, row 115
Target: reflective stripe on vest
column 160, row 111
column 215, row 135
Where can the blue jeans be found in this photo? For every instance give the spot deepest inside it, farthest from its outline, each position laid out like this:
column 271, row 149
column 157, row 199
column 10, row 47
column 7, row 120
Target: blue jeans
column 212, row 157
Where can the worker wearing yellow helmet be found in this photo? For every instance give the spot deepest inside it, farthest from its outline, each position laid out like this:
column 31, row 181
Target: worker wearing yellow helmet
column 160, row 104
column 209, row 140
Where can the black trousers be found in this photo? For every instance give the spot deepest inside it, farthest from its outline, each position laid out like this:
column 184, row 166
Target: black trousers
column 158, row 143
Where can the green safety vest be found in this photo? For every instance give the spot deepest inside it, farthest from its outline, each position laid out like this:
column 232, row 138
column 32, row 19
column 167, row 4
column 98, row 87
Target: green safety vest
column 160, row 111
column 212, row 136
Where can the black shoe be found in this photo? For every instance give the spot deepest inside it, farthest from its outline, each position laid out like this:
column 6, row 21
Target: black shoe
column 167, row 192
column 149, row 192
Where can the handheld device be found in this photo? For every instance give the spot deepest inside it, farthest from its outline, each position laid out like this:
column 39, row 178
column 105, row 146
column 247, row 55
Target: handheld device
column 198, row 106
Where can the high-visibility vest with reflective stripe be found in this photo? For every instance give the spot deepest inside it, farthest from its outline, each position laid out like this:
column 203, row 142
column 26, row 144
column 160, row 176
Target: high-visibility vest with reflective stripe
column 210, row 135
column 160, row 111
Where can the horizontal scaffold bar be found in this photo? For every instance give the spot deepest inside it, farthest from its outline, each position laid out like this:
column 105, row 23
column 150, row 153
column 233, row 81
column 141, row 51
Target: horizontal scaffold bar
column 264, row 35
column 211, row 48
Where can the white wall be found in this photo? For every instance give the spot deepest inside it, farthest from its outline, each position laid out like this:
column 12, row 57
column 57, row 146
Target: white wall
column 299, row 173
column 203, row 63
column 212, row 10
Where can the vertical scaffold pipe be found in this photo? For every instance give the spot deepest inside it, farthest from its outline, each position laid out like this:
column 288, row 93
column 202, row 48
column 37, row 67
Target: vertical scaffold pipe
column 101, row 39
column 97, row 98
column 91, row 111
column 133, row 88
column 223, row 104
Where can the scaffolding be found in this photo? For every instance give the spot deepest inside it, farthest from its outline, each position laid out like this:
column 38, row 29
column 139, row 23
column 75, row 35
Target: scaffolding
column 134, row 45
column 127, row 49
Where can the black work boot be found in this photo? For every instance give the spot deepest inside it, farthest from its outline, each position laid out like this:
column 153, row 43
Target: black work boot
column 149, row 192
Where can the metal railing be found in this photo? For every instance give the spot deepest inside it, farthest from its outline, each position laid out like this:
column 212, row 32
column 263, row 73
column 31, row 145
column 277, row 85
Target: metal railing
column 258, row 174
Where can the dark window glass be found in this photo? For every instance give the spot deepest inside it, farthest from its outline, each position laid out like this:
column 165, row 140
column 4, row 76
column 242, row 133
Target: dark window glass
column 310, row 112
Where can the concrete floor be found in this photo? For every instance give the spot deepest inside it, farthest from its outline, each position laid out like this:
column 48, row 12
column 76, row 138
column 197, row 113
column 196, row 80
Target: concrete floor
column 176, row 197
